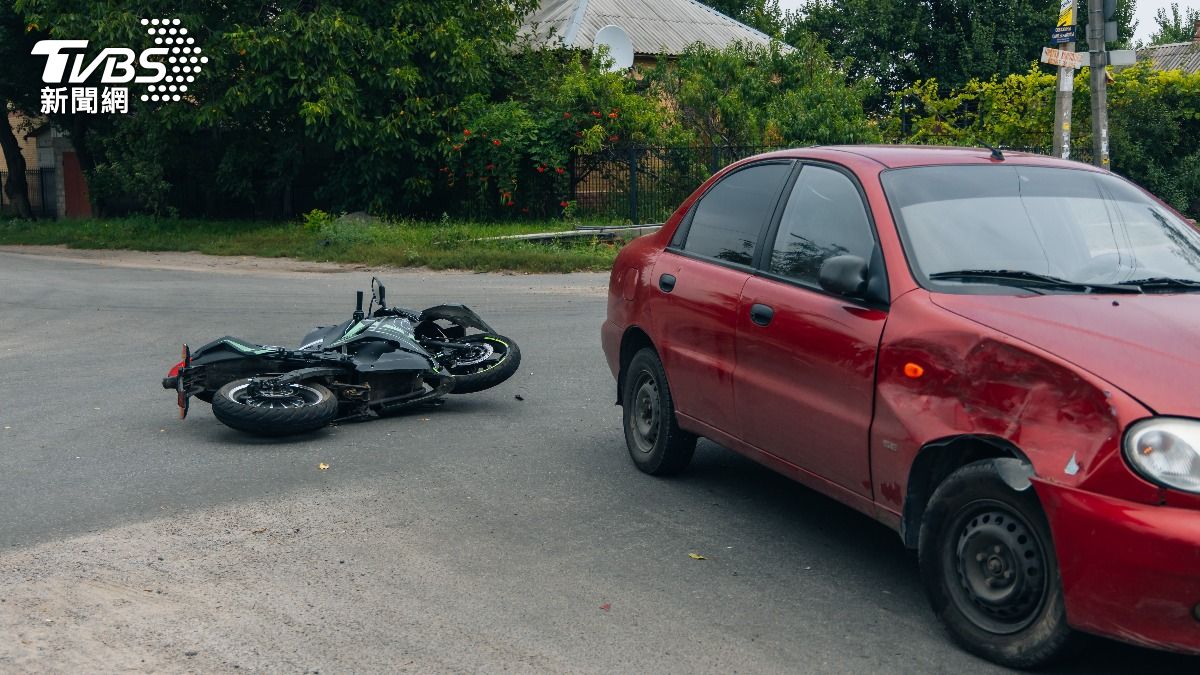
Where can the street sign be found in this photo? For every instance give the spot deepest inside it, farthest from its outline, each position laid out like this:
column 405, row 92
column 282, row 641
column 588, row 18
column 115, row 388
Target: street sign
column 1061, row 57
column 1122, row 57
column 1066, row 13
column 1062, row 35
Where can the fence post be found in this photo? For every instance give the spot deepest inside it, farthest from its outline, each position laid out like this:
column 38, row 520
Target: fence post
column 633, row 186
column 42, row 189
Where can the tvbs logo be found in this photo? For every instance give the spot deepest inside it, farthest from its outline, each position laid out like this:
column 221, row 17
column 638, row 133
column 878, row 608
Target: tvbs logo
column 166, row 70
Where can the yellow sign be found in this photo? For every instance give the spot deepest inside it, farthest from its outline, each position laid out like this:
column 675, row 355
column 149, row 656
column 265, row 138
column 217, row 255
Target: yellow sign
column 1066, row 13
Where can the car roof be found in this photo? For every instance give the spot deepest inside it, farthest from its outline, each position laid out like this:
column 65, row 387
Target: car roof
column 900, row 156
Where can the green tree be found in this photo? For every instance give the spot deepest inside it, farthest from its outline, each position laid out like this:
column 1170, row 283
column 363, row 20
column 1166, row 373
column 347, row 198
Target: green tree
column 18, row 90
column 357, row 92
column 966, row 39
column 764, row 15
column 870, row 39
column 755, row 95
column 1174, row 25
column 1154, row 120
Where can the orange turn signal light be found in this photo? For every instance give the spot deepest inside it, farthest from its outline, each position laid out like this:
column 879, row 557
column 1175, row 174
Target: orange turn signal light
column 913, row 370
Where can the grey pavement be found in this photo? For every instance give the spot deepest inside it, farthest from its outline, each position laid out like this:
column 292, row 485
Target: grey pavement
column 490, row 534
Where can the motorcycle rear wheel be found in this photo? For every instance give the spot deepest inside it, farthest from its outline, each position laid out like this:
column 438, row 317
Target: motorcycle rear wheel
column 493, row 360
column 299, row 408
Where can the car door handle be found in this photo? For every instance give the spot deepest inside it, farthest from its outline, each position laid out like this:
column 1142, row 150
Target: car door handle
column 667, row 283
column 761, row 314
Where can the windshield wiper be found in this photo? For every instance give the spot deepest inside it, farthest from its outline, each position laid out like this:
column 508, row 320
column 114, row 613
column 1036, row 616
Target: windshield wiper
column 1165, row 283
column 1032, row 280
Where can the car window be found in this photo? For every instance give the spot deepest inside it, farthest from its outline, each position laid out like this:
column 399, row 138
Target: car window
column 729, row 218
column 1074, row 225
column 824, row 217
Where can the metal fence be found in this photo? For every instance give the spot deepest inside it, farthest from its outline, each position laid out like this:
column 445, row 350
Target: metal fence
column 644, row 184
column 41, row 193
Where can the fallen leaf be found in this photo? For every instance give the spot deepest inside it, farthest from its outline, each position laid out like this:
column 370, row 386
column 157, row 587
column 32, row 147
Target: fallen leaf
column 322, row 466
column 696, row 556
column 606, row 606
column 258, row 531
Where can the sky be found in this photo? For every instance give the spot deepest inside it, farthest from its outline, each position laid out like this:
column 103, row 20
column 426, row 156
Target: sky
column 1144, row 14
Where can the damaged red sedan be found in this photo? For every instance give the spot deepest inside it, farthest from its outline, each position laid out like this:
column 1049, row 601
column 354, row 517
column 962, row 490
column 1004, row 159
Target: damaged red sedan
column 998, row 355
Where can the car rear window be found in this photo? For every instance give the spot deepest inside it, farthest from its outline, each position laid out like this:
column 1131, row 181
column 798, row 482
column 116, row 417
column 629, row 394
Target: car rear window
column 730, row 217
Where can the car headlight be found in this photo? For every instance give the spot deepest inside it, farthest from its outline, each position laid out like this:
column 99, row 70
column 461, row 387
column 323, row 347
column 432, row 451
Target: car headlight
column 1166, row 451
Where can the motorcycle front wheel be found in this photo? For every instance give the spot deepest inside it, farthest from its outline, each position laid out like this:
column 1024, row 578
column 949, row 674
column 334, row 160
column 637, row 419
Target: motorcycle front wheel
column 293, row 409
column 489, row 360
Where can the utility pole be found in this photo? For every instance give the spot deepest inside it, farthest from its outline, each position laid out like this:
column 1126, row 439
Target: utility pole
column 1064, row 98
column 1096, row 49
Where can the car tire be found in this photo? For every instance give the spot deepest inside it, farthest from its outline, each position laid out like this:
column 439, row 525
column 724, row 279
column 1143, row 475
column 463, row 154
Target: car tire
column 989, row 568
column 656, row 443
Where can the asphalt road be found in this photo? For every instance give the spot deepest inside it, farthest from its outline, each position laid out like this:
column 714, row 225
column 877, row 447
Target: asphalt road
column 491, row 534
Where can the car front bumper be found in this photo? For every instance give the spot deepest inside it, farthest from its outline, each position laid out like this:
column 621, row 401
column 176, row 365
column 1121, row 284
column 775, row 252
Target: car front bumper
column 1129, row 571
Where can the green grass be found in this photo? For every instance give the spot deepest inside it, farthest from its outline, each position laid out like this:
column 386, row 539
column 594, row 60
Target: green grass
column 402, row 243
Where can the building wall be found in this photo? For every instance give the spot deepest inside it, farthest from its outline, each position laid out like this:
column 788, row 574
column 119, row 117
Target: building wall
column 22, row 127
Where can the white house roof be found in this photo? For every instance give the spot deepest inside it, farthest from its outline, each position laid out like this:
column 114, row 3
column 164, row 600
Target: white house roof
column 654, row 26
column 1183, row 56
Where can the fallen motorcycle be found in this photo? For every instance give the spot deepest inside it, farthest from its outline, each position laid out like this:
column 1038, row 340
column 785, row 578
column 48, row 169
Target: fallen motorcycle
column 380, row 361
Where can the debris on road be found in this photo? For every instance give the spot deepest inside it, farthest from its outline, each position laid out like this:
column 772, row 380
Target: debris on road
column 322, row 466
column 696, row 556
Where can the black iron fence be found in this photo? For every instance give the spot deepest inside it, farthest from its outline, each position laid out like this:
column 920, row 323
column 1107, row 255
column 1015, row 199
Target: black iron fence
column 644, row 184
column 42, row 200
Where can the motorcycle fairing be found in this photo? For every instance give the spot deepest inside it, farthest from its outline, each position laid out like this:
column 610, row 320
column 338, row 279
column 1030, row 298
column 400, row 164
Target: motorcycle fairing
column 229, row 347
column 459, row 314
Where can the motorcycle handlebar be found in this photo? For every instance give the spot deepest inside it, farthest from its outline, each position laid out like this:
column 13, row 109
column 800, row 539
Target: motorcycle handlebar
column 358, row 310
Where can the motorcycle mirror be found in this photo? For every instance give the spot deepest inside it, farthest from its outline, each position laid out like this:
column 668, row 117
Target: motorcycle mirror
column 382, row 293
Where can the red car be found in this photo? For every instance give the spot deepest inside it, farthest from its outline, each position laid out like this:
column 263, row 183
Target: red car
column 998, row 355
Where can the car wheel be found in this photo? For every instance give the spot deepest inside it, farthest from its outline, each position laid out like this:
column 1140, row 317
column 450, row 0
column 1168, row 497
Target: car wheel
column 989, row 569
column 656, row 443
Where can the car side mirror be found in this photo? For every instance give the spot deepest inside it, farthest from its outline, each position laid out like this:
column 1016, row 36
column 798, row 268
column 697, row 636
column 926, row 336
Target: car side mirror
column 845, row 275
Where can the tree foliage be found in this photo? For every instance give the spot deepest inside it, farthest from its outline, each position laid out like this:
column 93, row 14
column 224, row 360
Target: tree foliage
column 1174, row 25
column 754, row 95
column 1154, row 119
column 899, row 42
column 763, row 15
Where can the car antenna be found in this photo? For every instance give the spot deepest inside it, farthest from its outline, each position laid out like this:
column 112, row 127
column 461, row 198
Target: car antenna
column 996, row 154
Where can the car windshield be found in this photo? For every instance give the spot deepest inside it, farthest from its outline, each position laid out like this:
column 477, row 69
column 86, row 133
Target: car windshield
column 1038, row 228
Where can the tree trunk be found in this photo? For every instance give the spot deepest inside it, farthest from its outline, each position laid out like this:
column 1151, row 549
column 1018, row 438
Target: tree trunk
column 16, row 186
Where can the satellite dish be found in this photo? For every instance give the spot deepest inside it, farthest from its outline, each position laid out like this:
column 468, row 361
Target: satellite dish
column 620, row 47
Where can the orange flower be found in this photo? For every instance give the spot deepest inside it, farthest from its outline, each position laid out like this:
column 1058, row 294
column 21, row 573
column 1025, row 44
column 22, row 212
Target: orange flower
column 614, row 138
column 613, row 115
column 541, row 169
column 564, row 204
column 566, row 116
column 466, row 132
column 496, row 142
column 559, row 170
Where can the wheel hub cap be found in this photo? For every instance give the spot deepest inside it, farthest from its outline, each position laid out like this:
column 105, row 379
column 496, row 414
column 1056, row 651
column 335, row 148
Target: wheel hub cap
column 645, row 415
column 1001, row 570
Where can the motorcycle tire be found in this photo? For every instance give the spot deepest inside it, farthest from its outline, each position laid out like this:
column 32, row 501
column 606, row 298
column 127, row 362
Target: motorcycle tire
column 496, row 360
column 310, row 407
